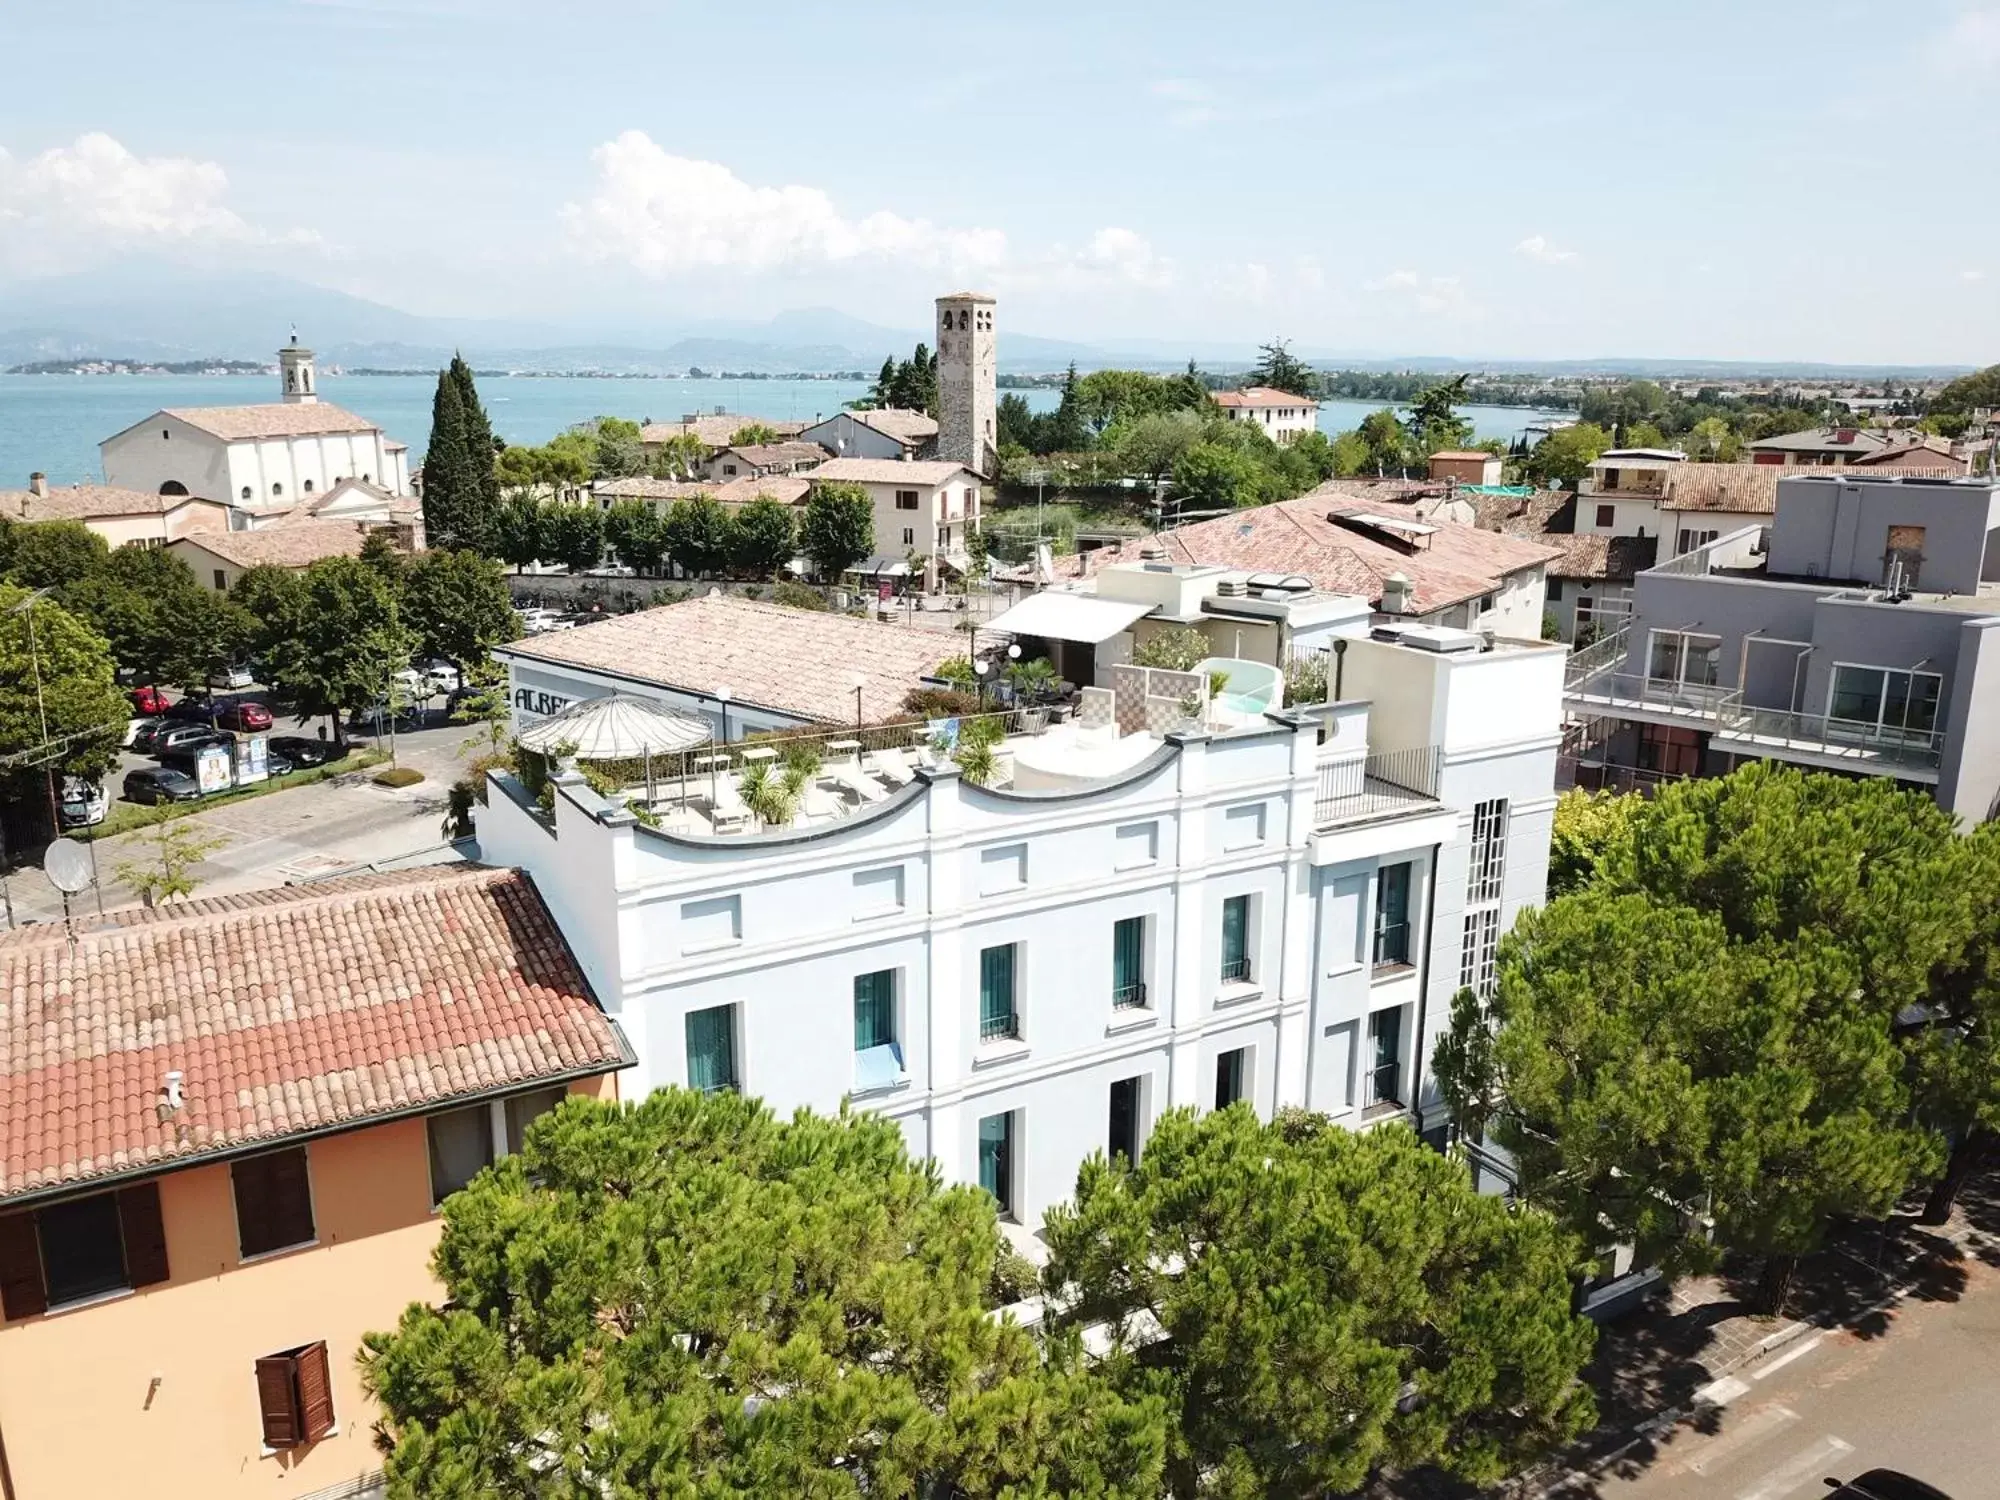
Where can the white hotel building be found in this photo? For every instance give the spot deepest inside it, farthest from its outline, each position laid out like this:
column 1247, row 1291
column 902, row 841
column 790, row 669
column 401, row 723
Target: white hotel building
column 1277, row 909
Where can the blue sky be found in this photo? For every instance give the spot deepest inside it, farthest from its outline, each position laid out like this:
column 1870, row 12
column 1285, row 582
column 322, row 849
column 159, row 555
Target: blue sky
column 1542, row 178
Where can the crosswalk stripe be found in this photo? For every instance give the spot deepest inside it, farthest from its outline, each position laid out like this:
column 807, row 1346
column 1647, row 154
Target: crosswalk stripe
column 1753, row 1428
column 1795, row 1471
column 1787, row 1357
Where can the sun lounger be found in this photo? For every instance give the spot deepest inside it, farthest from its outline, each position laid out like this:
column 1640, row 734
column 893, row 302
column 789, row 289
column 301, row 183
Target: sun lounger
column 866, row 787
column 892, row 766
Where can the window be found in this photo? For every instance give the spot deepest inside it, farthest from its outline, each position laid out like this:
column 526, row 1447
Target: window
column 1682, row 660
column 1485, row 603
column 1128, row 963
column 1230, row 1068
column 1122, row 1138
column 295, row 1396
column 308, row 486
column 1671, row 752
column 81, row 1248
column 246, row 492
column 711, row 1048
column 1607, row 515
column 1489, row 851
column 274, row 1208
column 524, row 1109
column 878, row 1059
column 1889, row 703
column 1243, row 827
column 909, row 536
column 999, row 1015
column 1611, row 479
column 1136, row 845
column 1688, row 539
column 1903, row 557
column 1236, row 940
column 1476, row 963
column 906, row 499
column 221, row 580
column 996, row 1159
column 277, row 489
column 1392, row 915
column 714, row 923
column 461, row 1146
column 729, row 469
column 1385, row 1058
column 1555, row 591
column 1003, row 869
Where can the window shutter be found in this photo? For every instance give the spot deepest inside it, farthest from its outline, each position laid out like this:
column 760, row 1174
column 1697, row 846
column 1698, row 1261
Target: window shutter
column 291, row 1197
column 315, row 1391
column 145, row 1234
column 278, row 1401
column 21, row 1292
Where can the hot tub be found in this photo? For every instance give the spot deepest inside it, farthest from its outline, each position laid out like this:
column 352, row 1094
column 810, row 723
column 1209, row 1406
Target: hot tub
column 1252, row 690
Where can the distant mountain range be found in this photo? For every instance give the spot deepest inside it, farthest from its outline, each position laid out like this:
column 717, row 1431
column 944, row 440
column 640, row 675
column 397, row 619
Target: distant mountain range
column 153, row 313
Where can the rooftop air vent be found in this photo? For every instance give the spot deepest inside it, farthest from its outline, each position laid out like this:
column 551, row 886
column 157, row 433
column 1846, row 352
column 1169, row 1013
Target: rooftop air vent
column 1438, row 638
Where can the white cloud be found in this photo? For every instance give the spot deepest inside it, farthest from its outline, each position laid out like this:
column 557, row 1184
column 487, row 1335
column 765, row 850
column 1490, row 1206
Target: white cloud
column 1971, row 43
column 1538, row 248
column 1191, row 103
column 1428, row 294
column 1125, row 256
column 1971, row 275
column 665, row 214
column 96, row 195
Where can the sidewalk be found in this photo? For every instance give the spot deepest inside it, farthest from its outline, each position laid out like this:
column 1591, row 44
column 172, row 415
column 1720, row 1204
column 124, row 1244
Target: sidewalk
column 1653, row 1369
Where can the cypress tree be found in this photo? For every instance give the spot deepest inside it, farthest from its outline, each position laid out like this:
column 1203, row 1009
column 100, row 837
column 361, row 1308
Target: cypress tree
column 480, row 453
column 448, row 475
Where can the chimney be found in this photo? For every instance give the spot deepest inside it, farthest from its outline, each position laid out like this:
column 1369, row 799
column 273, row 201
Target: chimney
column 38, row 484
column 1395, row 595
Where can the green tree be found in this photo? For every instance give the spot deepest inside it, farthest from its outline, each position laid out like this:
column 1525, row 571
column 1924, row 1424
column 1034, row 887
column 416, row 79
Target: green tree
column 1388, row 441
column 1565, row 456
column 635, row 532
column 1588, row 826
column 451, row 479
column 517, row 530
column 1643, row 435
column 615, row 449
column 1351, row 455
column 54, row 554
column 1175, row 647
column 1278, row 368
column 481, row 452
column 1310, row 459
column 1981, row 388
column 1958, row 1051
column 696, row 535
column 345, row 642
column 1704, row 1030
column 167, row 858
column 161, row 623
column 1328, row 1304
column 688, row 1296
column 1067, row 432
column 572, row 533
column 837, row 529
column 753, row 434
column 458, row 606
column 763, row 538
column 1434, row 420
column 380, row 552
column 79, row 697
column 1213, row 476
column 267, row 600
column 1154, row 443
column 678, row 457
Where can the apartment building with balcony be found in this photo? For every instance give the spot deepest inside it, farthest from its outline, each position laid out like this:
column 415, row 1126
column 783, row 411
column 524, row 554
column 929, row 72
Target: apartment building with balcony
column 1164, row 901
column 1858, row 631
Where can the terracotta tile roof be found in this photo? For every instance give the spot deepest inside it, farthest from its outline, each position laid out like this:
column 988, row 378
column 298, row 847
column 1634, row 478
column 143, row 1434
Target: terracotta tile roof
column 288, row 543
column 1264, row 395
column 273, row 419
column 308, row 508
column 797, row 661
column 1615, row 559
column 1465, row 455
column 908, row 471
column 643, row 487
column 897, row 422
column 763, row 455
column 1750, row 489
column 717, row 428
column 1821, row 440
column 91, row 502
column 1302, row 536
column 786, row 489
column 288, row 1012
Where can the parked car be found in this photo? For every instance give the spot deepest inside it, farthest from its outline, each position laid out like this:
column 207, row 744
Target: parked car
column 445, row 677
column 276, row 764
column 137, row 729
column 193, row 709
column 160, row 784
column 231, row 678
column 1886, row 1484
column 147, row 701
column 243, row 715
column 536, row 619
column 84, row 803
column 414, row 686
column 402, row 720
column 186, row 738
column 300, row 751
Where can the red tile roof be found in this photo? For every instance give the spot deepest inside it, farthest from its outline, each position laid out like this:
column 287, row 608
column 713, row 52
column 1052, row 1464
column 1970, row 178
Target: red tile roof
column 1264, row 395
column 1301, row 536
column 289, row 1012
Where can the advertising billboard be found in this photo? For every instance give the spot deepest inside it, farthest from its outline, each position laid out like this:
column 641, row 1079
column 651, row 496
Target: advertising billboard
column 212, row 769
column 253, row 759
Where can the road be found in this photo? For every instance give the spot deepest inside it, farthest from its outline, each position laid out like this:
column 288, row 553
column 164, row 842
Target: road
column 1918, row 1394
column 289, row 835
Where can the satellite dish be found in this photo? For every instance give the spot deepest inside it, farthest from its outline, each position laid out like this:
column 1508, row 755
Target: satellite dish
column 67, row 864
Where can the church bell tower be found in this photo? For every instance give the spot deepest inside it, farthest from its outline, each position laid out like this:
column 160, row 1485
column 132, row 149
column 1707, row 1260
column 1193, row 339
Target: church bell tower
column 295, row 372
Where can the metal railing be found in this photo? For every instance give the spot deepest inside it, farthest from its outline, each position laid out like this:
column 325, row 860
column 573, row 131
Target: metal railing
column 1128, row 997
column 1701, row 699
column 1379, row 783
column 992, row 1028
column 1605, row 652
column 1392, row 944
column 1385, row 1085
column 1821, row 734
column 1236, row 971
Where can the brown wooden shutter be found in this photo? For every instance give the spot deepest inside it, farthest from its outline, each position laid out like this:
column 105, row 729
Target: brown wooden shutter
column 273, row 1201
column 145, row 1234
column 315, row 1391
column 291, row 1197
column 22, row 1294
column 278, row 1401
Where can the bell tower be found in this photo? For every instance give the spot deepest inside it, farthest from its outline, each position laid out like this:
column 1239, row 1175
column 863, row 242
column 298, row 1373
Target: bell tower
column 295, row 372
column 967, row 401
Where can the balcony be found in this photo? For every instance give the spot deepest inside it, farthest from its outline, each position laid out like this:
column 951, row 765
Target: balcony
column 1382, row 784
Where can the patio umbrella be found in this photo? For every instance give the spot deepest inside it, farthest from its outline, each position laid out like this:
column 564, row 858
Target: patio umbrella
column 618, row 727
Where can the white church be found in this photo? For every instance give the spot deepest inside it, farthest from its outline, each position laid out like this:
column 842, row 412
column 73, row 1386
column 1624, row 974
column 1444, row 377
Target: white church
column 269, row 460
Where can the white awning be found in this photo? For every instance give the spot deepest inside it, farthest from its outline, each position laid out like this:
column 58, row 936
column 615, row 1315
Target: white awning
column 1083, row 618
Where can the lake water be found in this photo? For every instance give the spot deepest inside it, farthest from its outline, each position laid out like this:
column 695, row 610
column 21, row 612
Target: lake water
column 55, row 422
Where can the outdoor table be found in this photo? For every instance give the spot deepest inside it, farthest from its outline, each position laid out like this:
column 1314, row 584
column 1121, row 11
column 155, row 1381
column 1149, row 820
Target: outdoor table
column 762, row 753
column 843, row 747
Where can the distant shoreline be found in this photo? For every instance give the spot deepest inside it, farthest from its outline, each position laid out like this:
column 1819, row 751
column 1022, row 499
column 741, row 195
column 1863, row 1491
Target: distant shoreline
column 226, row 368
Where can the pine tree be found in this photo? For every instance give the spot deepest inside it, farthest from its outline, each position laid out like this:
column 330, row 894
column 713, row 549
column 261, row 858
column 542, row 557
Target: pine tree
column 449, row 484
column 481, row 453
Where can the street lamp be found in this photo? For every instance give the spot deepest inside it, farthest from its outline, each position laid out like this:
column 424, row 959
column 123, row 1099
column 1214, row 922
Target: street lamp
column 860, row 681
column 26, row 608
column 980, row 669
